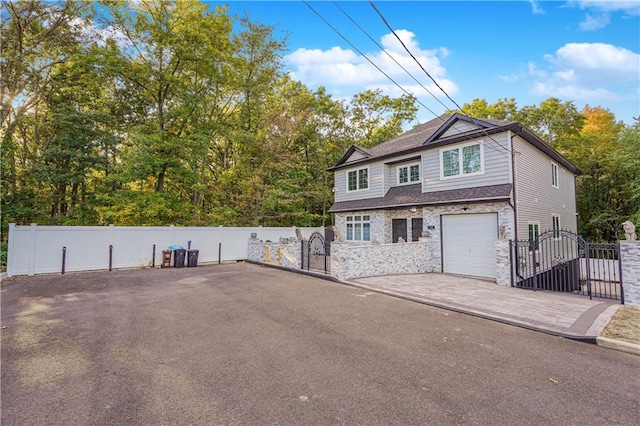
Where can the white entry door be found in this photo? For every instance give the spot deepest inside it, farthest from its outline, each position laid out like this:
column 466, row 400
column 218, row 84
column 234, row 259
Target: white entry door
column 468, row 244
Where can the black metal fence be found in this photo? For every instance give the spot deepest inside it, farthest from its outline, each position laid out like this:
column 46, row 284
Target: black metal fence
column 563, row 261
column 316, row 253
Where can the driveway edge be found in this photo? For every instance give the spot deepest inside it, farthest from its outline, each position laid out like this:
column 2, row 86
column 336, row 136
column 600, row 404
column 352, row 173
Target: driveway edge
column 581, row 338
column 619, row 345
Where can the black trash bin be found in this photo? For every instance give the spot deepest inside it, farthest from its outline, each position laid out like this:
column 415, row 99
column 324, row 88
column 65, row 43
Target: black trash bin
column 178, row 258
column 192, row 258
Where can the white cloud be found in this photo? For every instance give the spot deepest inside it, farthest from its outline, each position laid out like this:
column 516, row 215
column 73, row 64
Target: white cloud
column 591, row 22
column 345, row 71
column 601, row 10
column 587, row 71
column 536, row 8
column 627, row 7
column 563, row 91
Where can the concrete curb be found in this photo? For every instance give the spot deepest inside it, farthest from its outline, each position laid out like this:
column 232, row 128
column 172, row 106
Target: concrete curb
column 618, row 345
column 296, row 270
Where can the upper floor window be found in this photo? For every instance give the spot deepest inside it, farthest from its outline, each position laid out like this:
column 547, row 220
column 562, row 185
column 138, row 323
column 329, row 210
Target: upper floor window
column 462, row 160
column 554, row 175
column 408, row 174
column 358, row 179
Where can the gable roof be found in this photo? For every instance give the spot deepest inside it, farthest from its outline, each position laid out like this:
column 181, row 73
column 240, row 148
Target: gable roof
column 433, row 134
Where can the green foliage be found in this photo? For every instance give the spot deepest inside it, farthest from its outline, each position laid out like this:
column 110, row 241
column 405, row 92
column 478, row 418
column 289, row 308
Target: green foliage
column 606, row 151
column 184, row 115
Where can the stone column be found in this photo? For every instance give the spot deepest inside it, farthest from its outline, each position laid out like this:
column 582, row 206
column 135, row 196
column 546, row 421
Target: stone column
column 630, row 263
column 503, row 263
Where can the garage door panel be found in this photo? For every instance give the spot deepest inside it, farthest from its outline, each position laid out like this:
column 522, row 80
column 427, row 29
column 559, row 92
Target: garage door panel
column 468, row 244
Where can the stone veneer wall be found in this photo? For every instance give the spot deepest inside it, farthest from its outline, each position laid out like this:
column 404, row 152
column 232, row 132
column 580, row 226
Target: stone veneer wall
column 503, row 263
column 630, row 262
column 285, row 255
column 358, row 260
column 377, row 219
column 432, row 215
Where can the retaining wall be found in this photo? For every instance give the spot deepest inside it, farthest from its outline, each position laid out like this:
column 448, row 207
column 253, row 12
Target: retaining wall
column 352, row 261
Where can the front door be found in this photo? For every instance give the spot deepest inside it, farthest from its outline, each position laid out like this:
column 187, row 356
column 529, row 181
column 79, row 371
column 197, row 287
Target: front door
column 399, row 229
column 416, row 228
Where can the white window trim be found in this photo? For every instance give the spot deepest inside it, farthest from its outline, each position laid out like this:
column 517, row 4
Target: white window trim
column 408, row 167
column 528, row 226
column 461, row 159
column 357, row 179
column 555, row 167
column 361, row 222
column 556, row 236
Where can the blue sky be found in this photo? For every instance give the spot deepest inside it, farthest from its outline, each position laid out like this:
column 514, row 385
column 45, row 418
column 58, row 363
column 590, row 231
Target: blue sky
column 587, row 52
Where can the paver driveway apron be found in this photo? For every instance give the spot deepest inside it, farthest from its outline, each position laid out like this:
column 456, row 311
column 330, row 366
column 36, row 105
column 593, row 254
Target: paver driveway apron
column 555, row 313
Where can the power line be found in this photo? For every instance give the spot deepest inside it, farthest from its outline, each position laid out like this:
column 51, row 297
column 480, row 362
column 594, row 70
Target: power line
column 388, row 54
column 433, row 79
column 411, row 54
column 397, row 84
column 369, row 60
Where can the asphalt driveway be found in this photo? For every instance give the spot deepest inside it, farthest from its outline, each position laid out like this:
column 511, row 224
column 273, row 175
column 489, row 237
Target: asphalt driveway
column 244, row 344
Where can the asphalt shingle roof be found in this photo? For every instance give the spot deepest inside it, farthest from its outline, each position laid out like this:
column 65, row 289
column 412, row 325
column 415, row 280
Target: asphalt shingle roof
column 412, row 195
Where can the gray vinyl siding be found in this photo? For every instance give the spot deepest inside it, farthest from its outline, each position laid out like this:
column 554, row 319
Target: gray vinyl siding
column 536, row 199
column 355, row 157
column 496, row 166
column 459, row 127
column 392, row 174
column 376, row 184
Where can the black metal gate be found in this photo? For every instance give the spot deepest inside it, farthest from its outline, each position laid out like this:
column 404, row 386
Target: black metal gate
column 563, row 261
column 315, row 253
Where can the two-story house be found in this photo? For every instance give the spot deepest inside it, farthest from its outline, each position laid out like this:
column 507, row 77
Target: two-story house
column 462, row 182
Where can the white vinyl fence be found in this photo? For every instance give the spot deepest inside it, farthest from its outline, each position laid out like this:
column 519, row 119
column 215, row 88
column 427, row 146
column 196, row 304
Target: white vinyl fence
column 39, row 249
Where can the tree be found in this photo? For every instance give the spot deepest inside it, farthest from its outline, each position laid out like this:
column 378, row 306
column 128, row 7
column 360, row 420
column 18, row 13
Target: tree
column 558, row 123
column 502, row 109
column 35, row 38
column 375, row 118
column 608, row 192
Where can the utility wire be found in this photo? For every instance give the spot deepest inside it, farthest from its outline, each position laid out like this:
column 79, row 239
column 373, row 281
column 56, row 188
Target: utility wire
column 433, row 79
column 388, row 54
column 396, row 83
column 369, row 60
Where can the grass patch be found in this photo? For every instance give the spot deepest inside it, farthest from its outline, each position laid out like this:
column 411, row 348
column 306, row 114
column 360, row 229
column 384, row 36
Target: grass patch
column 624, row 325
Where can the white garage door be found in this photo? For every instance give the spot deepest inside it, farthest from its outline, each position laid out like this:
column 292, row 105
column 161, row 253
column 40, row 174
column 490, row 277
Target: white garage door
column 468, row 244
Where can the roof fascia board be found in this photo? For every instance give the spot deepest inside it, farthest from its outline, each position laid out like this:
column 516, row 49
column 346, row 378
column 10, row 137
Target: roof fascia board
column 451, row 121
column 534, row 140
column 350, row 151
column 433, row 203
column 450, row 140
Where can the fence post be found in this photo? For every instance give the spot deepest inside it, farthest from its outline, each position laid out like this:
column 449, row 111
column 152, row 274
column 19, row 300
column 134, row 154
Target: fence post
column 619, row 270
column 587, row 254
column 511, row 265
column 534, row 261
column 10, row 247
column 32, row 249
